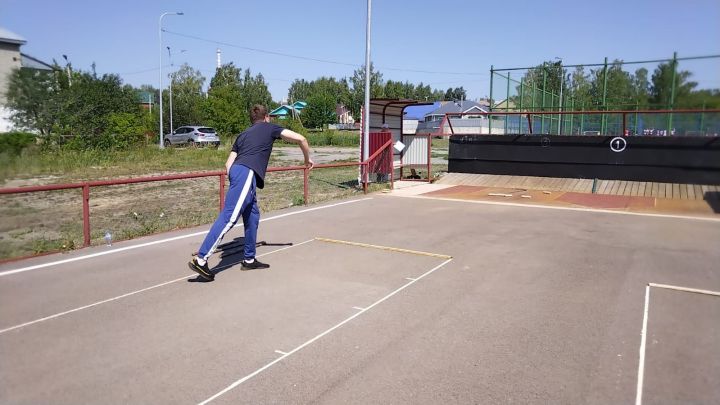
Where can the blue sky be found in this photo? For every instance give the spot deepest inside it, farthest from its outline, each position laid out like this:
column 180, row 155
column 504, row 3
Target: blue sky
column 456, row 40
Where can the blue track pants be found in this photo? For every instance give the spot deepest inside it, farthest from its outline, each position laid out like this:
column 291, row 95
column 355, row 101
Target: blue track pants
column 239, row 200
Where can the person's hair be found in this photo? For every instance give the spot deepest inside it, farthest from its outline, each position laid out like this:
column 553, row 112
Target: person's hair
column 258, row 113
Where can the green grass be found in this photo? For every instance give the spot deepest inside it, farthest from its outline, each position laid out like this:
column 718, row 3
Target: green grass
column 130, row 211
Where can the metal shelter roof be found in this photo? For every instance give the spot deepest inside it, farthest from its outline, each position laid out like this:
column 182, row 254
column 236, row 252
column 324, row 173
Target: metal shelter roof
column 389, row 111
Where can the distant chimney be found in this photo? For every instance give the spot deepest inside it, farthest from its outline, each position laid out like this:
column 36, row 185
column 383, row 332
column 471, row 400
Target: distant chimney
column 219, row 62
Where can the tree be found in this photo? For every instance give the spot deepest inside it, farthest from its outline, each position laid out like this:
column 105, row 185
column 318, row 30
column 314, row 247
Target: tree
column 542, row 85
column 661, row 89
column 618, row 91
column 641, row 86
column 188, row 99
column 579, row 91
column 254, row 90
column 357, row 93
column 31, row 97
column 88, row 103
column 458, row 93
column 319, row 111
column 300, row 89
column 224, row 108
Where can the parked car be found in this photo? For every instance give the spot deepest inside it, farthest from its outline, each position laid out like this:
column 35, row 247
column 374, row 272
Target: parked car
column 193, row 136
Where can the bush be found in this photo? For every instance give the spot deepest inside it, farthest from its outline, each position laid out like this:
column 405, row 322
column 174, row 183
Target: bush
column 14, row 142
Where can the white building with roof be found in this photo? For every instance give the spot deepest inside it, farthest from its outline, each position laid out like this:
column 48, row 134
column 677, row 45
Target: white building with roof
column 12, row 58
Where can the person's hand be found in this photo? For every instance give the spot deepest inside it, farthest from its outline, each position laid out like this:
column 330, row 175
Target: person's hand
column 310, row 164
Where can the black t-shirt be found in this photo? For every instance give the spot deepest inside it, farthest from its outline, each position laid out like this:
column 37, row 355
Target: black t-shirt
column 253, row 148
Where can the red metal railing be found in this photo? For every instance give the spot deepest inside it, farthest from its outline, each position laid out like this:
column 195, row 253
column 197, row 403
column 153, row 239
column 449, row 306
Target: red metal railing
column 85, row 186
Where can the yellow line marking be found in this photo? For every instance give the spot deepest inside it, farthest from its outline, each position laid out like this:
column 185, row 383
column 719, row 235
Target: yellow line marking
column 392, row 249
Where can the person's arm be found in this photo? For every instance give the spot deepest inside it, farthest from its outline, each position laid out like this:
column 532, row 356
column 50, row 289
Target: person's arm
column 230, row 161
column 293, row 137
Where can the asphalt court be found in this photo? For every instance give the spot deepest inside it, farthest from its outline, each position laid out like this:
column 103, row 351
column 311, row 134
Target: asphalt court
column 286, row 307
column 683, row 331
column 535, row 306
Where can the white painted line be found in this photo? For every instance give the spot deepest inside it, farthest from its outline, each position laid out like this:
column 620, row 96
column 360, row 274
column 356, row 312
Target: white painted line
column 92, row 305
column 279, row 359
column 641, row 364
column 359, row 308
column 118, row 250
column 550, row 207
column 280, row 352
column 685, row 289
column 47, row 318
column 409, row 278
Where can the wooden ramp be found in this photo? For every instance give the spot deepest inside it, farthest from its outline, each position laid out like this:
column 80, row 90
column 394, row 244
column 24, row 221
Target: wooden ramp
column 608, row 187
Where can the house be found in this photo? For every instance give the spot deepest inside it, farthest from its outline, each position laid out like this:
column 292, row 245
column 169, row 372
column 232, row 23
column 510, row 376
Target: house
column 474, row 119
column 505, row 105
column 466, row 107
column 12, row 58
column 286, row 110
column 343, row 115
column 146, row 99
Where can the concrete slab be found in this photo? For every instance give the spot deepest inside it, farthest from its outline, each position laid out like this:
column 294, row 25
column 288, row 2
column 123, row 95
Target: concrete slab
column 537, row 306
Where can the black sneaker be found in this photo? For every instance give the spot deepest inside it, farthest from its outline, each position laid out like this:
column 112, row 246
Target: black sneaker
column 254, row 265
column 203, row 271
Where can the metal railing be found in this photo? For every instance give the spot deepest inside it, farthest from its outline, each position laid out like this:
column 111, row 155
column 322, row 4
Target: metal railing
column 86, row 186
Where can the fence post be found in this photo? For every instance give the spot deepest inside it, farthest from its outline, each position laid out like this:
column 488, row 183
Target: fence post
column 507, row 102
column 306, row 191
column 222, row 191
column 672, row 93
column 491, row 87
column 603, row 119
column 542, row 120
column 429, row 156
column 529, row 124
column 86, row 215
column 624, row 128
column 364, row 170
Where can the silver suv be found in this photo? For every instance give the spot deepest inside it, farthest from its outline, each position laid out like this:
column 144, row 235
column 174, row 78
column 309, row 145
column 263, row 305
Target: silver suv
column 193, row 136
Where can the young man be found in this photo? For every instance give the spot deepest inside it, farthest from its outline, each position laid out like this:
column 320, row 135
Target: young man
column 246, row 168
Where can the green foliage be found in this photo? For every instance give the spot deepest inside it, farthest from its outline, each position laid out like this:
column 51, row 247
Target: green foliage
column 618, row 88
column 357, row 94
column 32, row 96
column 88, row 103
column 231, row 96
column 662, row 84
column 320, row 111
column 458, row 93
column 333, row 138
column 14, row 142
column 187, row 98
column 226, row 108
column 293, row 125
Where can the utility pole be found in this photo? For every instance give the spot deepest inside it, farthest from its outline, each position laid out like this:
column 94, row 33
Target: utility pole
column 161, row 135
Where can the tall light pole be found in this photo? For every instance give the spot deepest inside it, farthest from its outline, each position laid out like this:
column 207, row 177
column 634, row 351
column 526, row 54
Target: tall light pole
column 366, row 121
column 171, row 83
column 161, row 87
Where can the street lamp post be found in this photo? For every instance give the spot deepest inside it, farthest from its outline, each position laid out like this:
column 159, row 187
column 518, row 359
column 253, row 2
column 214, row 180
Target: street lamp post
column 161, row 87
column 171, row 85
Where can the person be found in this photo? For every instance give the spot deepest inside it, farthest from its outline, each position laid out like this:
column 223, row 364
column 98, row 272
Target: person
column 413, row 174
column 246, row 167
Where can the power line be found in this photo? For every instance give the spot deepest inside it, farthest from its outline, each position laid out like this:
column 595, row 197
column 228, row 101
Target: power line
column 212, row 41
